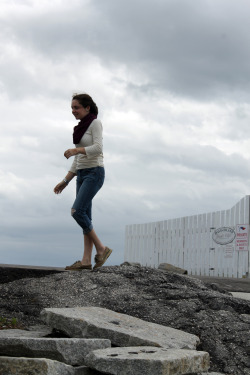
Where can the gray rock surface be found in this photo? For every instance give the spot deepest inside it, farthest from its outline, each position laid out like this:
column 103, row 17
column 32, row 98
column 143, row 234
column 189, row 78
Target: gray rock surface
column 10, row 273
column 177, row 301
column 171, row 268
column 148, row 361
column 229, row 284
column 46, row 331
column 41, row 366
column 241, row 295
column 70, row 351
column 120, row 329
column 136, row 264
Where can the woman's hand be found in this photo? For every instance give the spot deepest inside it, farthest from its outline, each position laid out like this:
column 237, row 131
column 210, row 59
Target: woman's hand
column 70, row 152
column 59, row 187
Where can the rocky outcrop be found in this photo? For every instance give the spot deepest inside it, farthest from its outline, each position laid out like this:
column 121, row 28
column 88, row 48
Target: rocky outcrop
column 46, row 355
column 178, row 301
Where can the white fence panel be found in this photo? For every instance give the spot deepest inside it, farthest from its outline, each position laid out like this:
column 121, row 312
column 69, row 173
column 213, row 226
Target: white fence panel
column 188, row 243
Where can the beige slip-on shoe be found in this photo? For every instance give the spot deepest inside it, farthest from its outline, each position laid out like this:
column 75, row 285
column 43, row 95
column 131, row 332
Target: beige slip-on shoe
column 78, row 266
column 101, row 259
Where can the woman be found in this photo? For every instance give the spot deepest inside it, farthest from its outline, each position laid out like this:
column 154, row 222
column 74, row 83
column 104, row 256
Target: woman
column 89, row 169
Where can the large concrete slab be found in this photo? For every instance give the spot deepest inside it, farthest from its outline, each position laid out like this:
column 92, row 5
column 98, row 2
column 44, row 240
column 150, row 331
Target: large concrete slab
column 148, row 361
column 120, row 329
column 70, row 351
column 30, row 366
column 241, row 295
column 40, row 332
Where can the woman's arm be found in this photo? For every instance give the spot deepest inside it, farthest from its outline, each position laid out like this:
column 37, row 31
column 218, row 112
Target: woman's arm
column 74, row 151
column 96, row 147
column 62, row 185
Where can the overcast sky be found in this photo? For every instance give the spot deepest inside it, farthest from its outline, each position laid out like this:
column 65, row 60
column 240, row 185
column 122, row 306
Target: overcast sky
column 171, row 80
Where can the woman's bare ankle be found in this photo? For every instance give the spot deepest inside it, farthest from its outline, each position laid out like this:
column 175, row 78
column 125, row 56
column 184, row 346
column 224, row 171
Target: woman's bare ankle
column 100, row 250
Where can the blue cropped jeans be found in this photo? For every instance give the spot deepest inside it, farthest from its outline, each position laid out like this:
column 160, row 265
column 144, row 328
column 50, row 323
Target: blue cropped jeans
column 88, row 182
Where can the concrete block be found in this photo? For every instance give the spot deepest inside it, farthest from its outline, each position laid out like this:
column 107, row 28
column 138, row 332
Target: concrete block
column 120, row 329
column 148, row 361
column 34, row 366
column 24, row 333
column 244, row 295
column 70, row 351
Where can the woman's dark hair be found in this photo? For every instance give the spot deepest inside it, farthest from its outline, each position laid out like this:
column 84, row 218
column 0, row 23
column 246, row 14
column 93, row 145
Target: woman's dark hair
column 85, row 100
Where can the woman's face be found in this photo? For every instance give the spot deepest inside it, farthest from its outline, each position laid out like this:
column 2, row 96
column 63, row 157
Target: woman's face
column 78, row 110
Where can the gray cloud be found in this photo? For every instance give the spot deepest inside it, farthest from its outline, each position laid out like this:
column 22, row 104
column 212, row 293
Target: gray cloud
column 184, row 47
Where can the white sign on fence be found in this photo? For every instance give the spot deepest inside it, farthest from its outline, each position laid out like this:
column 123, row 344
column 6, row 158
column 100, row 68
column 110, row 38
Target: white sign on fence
column 224, row 235
column 242, row 235
column 229, row 251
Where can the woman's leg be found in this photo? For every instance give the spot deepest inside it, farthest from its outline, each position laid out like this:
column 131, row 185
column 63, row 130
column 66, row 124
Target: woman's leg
column 88, row 186
column 89, row 183
column 87, row 253
column 102, row 252
column 92, row 237
column 88, row 243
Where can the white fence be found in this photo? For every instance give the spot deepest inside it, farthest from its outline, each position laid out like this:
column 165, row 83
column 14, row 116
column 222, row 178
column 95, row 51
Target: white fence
column 190, row 243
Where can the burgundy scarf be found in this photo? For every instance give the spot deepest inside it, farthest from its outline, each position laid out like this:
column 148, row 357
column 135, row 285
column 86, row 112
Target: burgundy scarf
column 80, row 129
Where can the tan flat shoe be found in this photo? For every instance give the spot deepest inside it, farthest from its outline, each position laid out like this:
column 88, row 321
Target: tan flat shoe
column 101, row 259
column 78, row 266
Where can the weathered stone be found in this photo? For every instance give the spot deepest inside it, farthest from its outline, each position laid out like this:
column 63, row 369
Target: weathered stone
column 70, row 351
column 24, row 333
column 31, row 366
column 171, row 268
column 42, row 329
column 148, row 361
column 131, row 264
column 120, row 329
column 241, row 295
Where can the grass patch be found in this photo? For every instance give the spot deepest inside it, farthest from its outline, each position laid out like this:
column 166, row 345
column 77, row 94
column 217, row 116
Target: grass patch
column 9, row 323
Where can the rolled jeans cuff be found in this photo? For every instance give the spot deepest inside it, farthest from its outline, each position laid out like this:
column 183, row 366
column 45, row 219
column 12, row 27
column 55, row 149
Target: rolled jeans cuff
column 87, row 231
